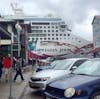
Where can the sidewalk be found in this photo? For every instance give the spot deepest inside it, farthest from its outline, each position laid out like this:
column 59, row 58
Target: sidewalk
column 17, row 87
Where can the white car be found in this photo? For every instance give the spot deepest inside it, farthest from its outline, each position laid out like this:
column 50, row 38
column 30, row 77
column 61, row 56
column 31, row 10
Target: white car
column 39, row 80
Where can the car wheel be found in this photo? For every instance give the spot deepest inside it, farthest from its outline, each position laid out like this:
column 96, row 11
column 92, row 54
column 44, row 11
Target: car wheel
column 95, row 95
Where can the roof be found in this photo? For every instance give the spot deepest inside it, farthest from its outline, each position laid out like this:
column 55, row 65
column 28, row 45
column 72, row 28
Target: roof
column 95, row 59
column 76, row 58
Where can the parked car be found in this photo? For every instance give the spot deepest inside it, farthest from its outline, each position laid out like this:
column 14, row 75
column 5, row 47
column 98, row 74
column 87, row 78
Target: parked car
column 82, row 83
column 52, row 65
column 39, row 80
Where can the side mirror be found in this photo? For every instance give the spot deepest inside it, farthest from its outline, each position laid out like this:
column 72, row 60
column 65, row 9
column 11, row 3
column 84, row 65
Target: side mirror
column 73, row 68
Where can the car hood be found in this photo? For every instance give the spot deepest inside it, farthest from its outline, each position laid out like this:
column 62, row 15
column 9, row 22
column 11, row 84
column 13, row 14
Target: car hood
column 50, row 73
column 72, row 80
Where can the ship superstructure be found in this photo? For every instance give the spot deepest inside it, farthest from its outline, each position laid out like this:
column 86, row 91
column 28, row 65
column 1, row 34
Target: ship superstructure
column 52, row 36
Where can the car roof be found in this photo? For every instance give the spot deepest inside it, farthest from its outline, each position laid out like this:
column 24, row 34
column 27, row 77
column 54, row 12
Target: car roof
column 76, row 58
column 95, row 59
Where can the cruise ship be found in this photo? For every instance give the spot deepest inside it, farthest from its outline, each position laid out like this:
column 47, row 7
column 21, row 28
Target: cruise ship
column 51, row 36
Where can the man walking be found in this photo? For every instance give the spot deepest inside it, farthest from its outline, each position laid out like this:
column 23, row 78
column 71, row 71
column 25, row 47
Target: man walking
column 18, row 68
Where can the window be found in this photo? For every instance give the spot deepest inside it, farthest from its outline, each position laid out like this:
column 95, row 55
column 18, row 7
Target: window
column 48, row 30
column 52, row 26
column 48, row 34
column 44, row 30
column 79, row 62
column 56, row 34
column 56, row 27
column 56, row 30
column 32, row 39
column 44, row 38
column 40, row 38
column 52, row 30
column 68, row 34
column 40, row 26
column 60, row 34
column 56, row 38
column 52, row 34
column 64, row 34
column 48, row 38
column 52, row 38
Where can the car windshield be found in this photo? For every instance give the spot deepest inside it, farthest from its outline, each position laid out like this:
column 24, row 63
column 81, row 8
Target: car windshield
column 63, row 64
column 53, row 64
column 89, row 68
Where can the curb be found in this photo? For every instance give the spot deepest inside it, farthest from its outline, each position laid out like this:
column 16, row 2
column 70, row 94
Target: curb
column 21, row 95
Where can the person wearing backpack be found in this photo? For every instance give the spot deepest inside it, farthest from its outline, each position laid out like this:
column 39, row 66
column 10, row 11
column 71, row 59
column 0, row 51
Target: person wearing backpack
column 18, row 68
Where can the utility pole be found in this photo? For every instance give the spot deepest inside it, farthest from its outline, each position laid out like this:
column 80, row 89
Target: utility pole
column 18, row 28
column 11, row 58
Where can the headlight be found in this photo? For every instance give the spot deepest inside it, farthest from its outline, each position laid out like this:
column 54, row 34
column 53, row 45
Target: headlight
column 69, row 92
column 45, row 78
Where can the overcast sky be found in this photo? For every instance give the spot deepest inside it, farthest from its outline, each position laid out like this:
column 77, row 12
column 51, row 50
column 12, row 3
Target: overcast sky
column 77, row 13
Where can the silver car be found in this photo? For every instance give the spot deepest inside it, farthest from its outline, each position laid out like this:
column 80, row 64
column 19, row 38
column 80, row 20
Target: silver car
column 39, row 80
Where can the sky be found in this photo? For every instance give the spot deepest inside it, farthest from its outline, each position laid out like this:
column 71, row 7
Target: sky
column 78, row 14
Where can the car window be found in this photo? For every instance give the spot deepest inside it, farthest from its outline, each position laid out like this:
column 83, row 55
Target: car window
column 79, row 62
column 64, row 64
column 89, row 67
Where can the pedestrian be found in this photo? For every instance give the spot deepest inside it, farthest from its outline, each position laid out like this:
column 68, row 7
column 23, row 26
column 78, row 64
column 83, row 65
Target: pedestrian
column 18, row 68
column 6, row 65
column 1, row 67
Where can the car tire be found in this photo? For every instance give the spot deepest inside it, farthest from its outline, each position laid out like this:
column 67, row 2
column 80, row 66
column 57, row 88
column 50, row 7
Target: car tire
column 95, row 95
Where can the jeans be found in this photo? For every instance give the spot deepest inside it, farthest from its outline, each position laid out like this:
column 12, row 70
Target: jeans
column 19, row 72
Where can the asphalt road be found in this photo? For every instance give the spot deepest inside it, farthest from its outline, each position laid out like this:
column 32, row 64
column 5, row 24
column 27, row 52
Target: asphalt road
column 31, row 94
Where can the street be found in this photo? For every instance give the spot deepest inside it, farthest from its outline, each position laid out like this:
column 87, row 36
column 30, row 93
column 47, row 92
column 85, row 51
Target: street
column 31, row 94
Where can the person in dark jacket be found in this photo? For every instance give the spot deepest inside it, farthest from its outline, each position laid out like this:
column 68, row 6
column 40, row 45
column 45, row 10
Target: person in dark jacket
column 18, row 68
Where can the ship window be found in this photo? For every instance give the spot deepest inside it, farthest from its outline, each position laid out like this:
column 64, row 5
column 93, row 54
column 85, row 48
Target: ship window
column 56, row 30
column 52, row 34
column 48, row 38
column 36, row 38
column 56, row 38
column 52, row 26
column 56, row 27
column 52, row 30
column 40, row 38
column 60, row 34
column 68, row 34
column 52, row 38
column 28, row 38
column 32, row 39
column 44, row 38
column 79, row 41
column 48, row 26
column 40, row 26
column 48, row 34
column 44, row 26
column 48, row 30
column 44, row 30
column 64, row 34
column 56, row 34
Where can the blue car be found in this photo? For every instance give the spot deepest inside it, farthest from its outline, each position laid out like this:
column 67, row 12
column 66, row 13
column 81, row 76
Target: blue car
column 82, row 83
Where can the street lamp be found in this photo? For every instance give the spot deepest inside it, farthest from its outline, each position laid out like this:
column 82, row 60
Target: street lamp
column 18, row 28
